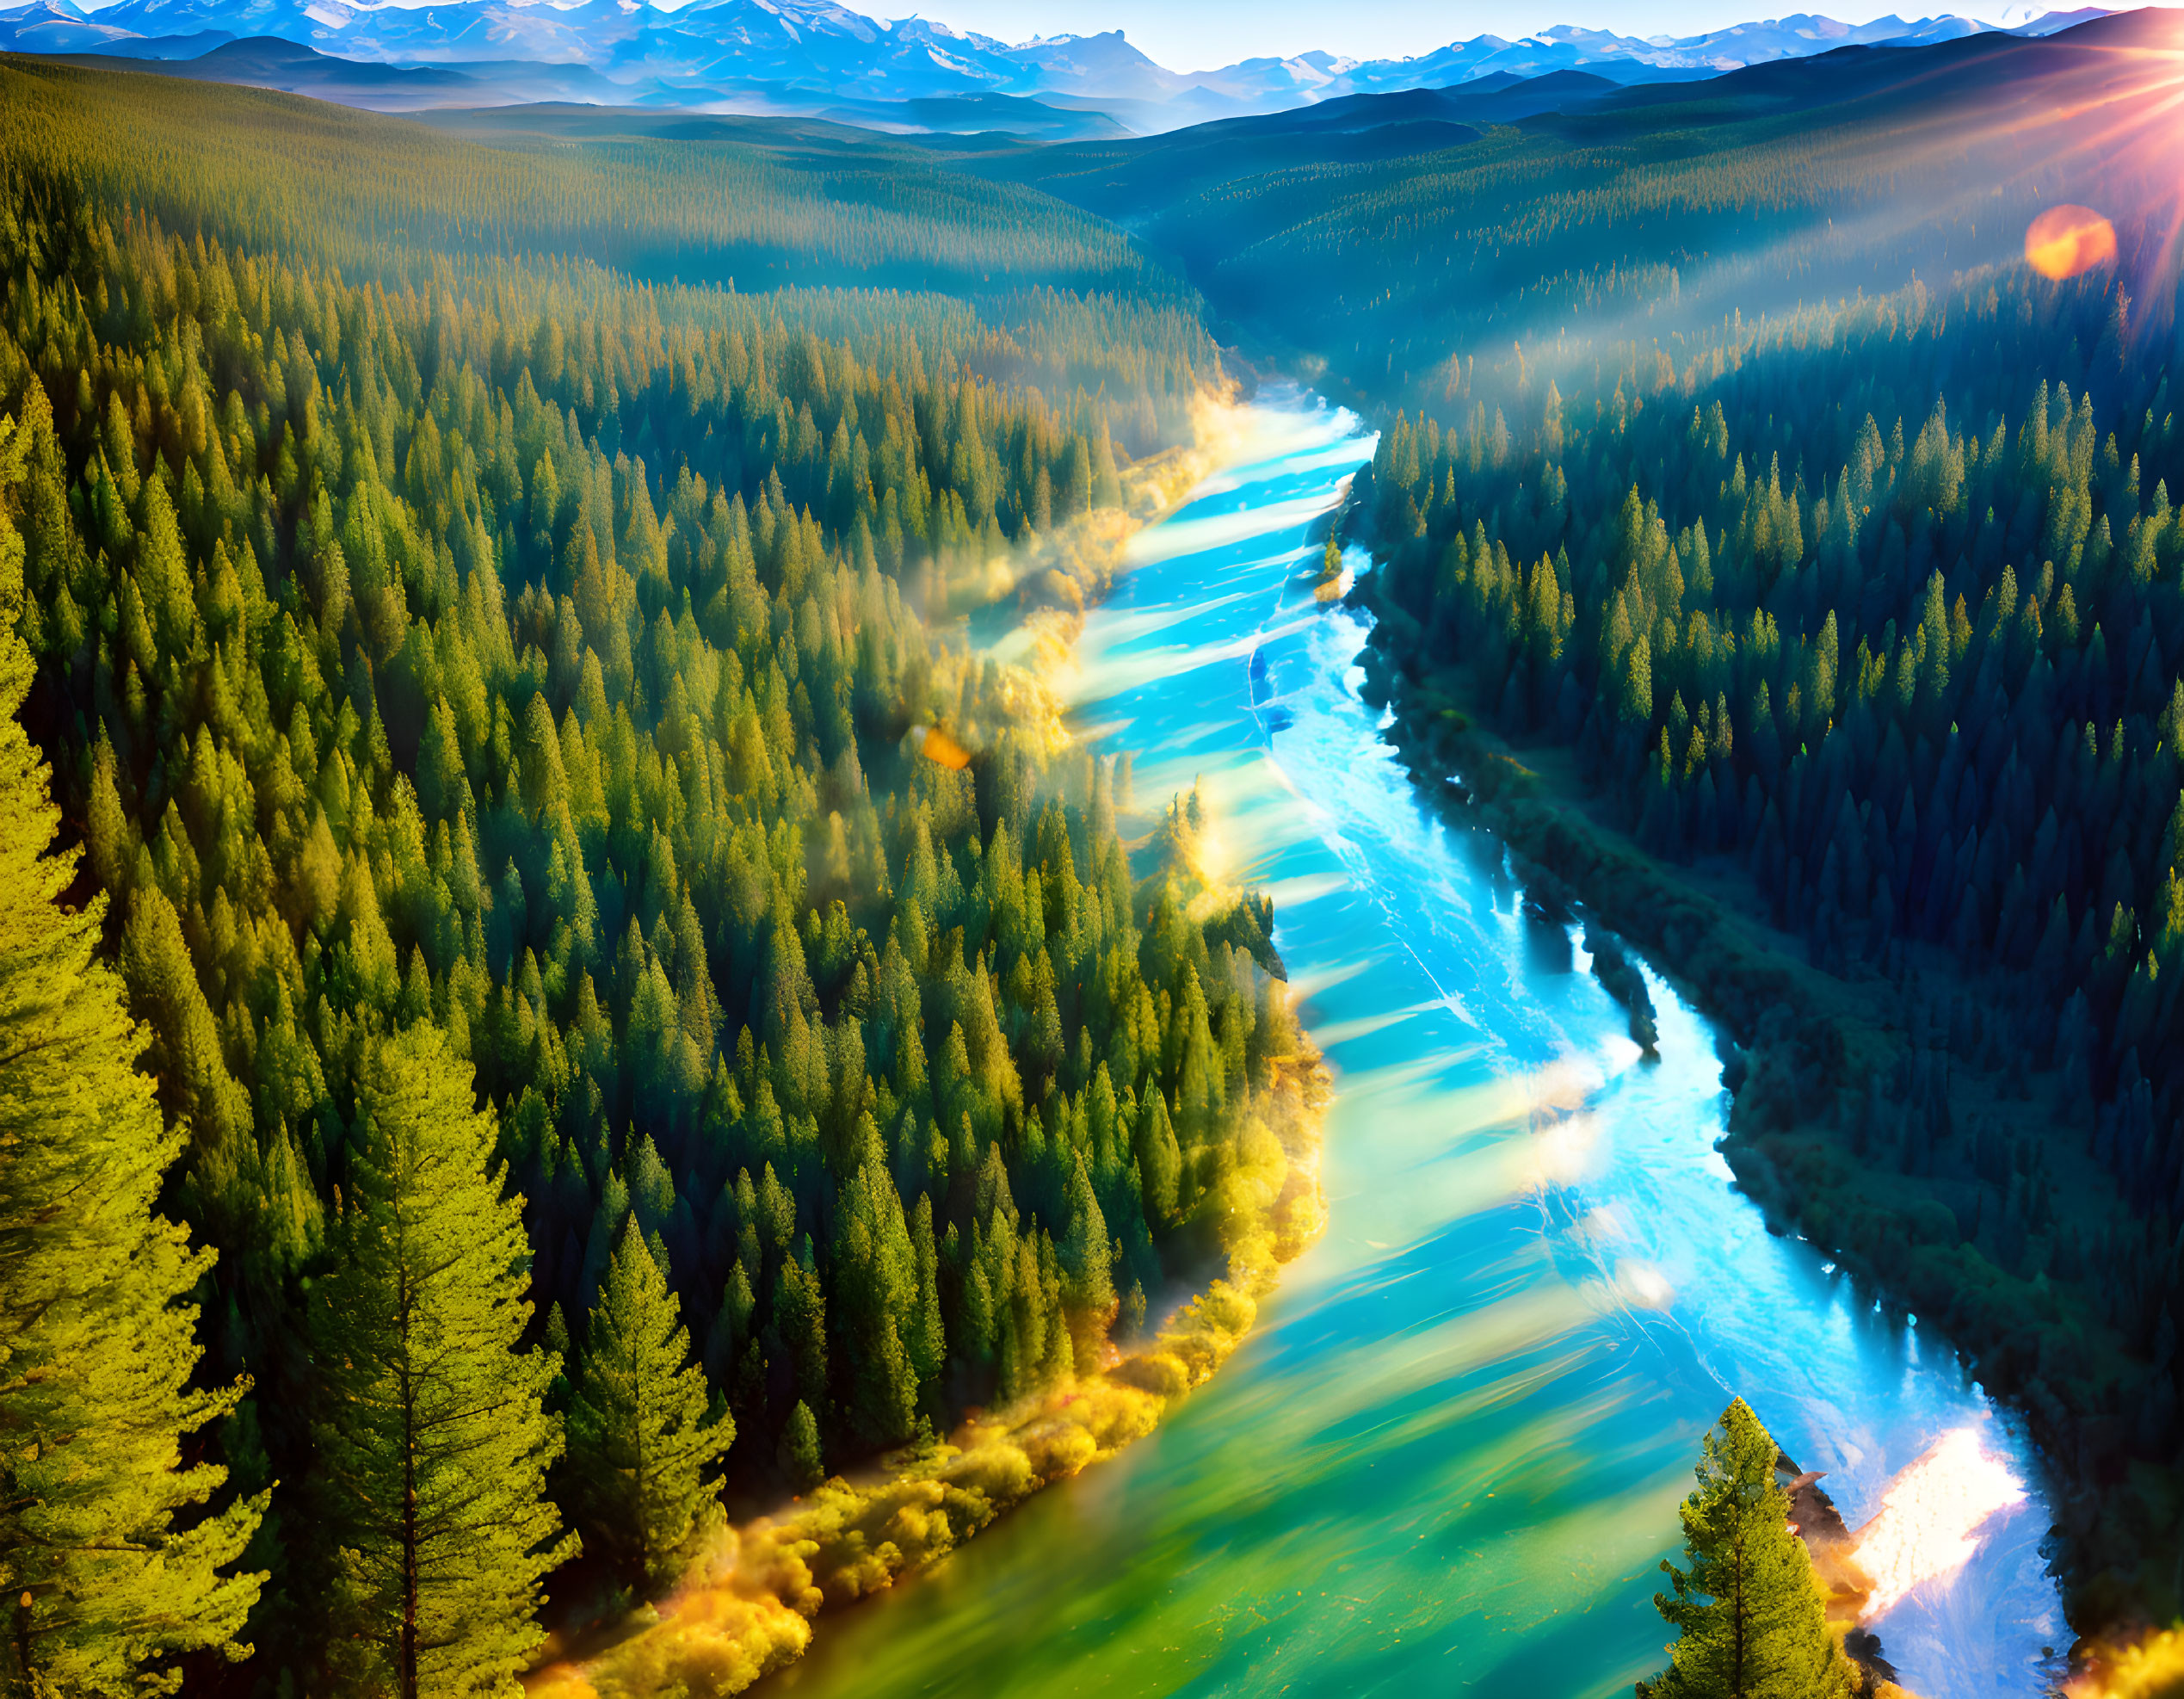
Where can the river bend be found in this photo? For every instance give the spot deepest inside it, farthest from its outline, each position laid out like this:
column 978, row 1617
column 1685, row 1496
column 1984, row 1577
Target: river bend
column 1449, row 1459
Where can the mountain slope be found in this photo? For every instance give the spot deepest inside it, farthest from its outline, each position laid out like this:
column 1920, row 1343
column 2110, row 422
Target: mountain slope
column 655, row 195
column 1370, row 230
column 268, row 62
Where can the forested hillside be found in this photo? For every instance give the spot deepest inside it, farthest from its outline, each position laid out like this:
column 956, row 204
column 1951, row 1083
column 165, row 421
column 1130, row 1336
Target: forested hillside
column 761, row 203
column 632, row 996
column 1868, row 616
column 1401, row 262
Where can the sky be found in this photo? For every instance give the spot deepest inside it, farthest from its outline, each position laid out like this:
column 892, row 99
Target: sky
column 1201, row 34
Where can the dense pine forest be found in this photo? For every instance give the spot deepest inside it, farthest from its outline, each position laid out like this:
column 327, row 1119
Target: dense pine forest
column 639, row 1010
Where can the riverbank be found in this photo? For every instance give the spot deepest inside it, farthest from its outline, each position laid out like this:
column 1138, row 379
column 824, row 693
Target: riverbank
column 748, row 1607
column 1845, row 1586
column 1826, row 1074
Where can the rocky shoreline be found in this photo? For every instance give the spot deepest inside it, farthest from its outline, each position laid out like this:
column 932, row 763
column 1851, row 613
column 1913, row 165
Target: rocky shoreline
column 1833, row 1547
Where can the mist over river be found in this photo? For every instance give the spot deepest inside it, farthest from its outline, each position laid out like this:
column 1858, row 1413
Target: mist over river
column 1450, row 1457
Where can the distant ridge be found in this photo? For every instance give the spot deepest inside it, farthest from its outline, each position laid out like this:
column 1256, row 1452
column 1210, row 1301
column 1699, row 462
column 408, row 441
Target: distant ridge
column 810, row 55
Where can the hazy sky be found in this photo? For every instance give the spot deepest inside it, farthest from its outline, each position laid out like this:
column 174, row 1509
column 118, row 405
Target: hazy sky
column 1199, row 34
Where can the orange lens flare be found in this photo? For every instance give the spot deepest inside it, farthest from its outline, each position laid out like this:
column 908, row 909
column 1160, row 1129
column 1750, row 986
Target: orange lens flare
column 2065, row 241
column 936, row 745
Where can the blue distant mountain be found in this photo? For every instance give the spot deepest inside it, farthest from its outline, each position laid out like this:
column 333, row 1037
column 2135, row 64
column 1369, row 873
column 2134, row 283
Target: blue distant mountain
column 1626, row 58
column 800, row 54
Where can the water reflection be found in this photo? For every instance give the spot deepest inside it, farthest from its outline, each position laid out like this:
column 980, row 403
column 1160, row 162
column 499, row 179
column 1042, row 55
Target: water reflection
column 1450, row 1459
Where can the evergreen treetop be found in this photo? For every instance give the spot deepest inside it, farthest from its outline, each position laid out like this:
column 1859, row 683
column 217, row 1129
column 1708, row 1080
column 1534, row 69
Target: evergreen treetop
column 643, row 1441
column 1749, row 1618
column 434, row 1439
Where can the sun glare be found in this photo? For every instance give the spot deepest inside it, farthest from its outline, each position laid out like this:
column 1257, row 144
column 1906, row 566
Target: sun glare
column 1931, row 1515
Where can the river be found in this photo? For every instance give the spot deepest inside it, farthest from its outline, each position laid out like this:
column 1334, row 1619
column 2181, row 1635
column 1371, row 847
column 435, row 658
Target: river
column 1449, row 1459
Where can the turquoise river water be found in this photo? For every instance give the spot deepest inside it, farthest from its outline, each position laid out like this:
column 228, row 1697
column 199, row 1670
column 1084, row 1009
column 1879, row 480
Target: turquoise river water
column 1449, row 1459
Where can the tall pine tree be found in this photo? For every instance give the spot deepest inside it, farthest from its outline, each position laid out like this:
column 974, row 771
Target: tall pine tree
column 1749, row 1618
column 642, row 1440
column 434, row 1441
column 97, row 1340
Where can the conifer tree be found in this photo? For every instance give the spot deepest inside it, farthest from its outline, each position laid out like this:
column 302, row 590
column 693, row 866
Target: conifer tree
column 96, row 1340
column 641, row 1439
column 1748, row 1615
column 1087, row 1261
column 433, row 1436
column 800, row 1458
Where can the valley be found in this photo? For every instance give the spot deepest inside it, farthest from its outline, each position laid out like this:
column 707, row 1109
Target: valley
column 1238, row 839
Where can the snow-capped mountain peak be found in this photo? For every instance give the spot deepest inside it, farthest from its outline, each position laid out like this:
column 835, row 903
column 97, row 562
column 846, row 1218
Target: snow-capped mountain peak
column 817, row 51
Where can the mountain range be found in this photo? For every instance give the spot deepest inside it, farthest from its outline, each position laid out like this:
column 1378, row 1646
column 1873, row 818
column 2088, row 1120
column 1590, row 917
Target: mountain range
column 808, row 56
